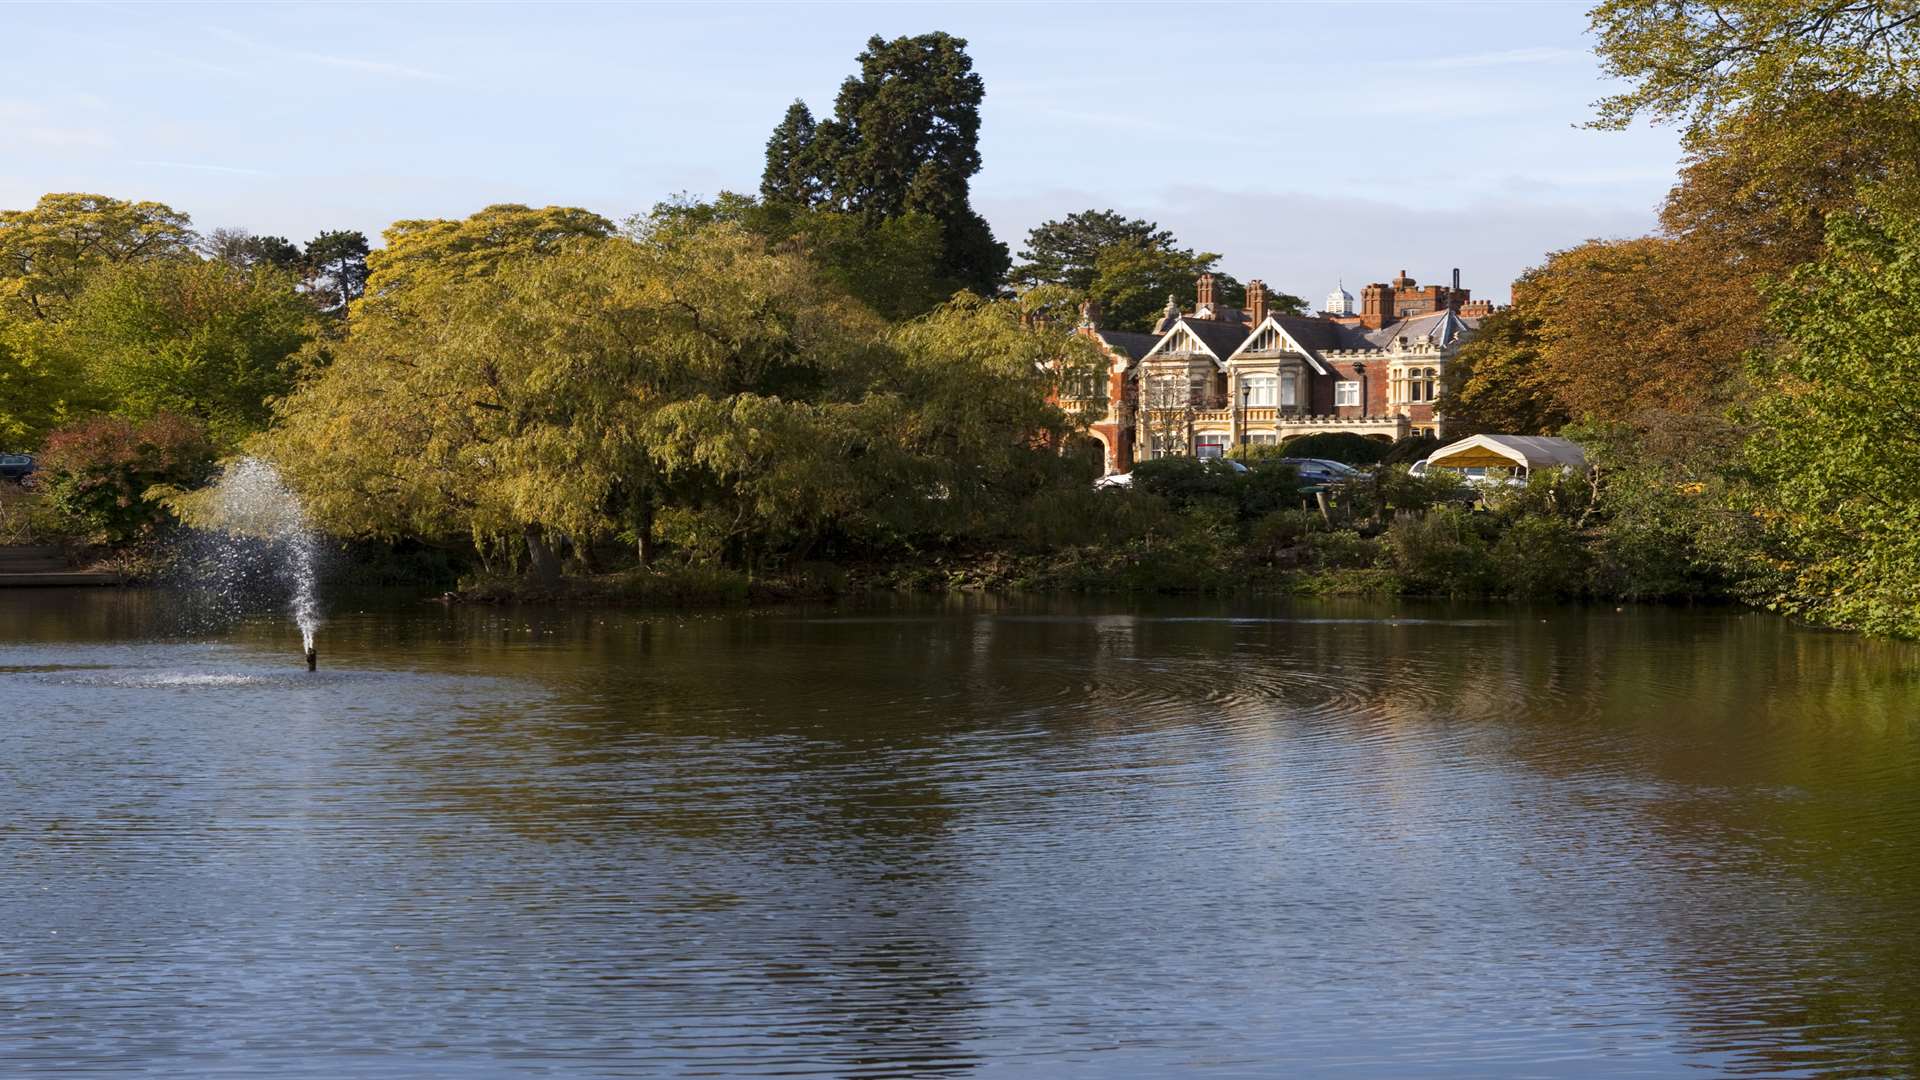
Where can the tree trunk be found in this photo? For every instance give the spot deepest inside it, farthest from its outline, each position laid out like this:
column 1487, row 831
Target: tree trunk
column 546, row 568
column 645, row 531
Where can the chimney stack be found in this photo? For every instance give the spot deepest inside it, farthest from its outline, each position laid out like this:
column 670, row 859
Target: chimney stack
column 1090, row 314
column 1376, row 305
column 1257, row 301
column 1203, row 301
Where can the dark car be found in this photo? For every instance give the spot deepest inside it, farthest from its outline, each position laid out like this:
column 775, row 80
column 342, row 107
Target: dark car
column 15, row 467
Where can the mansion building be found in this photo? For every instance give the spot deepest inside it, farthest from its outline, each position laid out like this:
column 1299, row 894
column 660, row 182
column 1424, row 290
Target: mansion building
column 1208, row 380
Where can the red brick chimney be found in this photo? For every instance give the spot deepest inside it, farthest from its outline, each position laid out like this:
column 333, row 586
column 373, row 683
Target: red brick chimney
column 1204, row 288
column 1256, row 302
column 1376, row 305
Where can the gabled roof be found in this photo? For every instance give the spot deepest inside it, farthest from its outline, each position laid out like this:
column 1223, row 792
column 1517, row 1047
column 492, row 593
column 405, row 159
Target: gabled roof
column 1294, row 333
column 1441, row 328
column 1127, row 343
column 1216, row 339
column 1533, row 451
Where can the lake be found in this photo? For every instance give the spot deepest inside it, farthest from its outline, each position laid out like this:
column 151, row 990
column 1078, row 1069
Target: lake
column 929, row 839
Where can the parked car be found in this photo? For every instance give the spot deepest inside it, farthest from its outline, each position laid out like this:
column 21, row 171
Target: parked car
column 1124, row 481
column 15, row 467
column 1322, row 470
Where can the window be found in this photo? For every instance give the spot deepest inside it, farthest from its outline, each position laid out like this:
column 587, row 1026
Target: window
column 1262, row 438
column 1083, row 386
column 1287, row 392
column 1210, row 446
column 1422, row 384
column 1346, row 393
column 1166, row 392
column 1259, row 389
column 1197, row 387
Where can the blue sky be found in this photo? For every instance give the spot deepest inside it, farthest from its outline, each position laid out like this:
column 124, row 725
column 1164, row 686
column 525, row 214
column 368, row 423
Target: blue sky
column 1308, row 142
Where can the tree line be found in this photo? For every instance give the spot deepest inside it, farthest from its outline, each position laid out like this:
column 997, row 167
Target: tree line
column 1757, row 354
column 846, row 363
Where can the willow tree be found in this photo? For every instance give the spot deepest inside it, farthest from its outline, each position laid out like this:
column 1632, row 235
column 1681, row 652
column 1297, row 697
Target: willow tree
column 679, row 381
column 526, row 399
column 476, row 245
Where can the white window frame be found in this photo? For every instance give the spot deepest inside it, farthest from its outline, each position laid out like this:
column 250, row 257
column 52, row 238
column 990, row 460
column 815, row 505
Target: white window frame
column 1346, row 394
column 1262, row 391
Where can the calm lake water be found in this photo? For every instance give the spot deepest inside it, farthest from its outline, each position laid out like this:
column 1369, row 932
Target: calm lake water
column 1048, row 840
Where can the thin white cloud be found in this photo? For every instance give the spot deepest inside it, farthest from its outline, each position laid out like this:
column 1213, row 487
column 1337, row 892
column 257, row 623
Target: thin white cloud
column 352, row 63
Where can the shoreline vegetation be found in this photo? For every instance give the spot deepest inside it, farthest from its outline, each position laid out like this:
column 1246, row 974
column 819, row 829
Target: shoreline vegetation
column 845, row 382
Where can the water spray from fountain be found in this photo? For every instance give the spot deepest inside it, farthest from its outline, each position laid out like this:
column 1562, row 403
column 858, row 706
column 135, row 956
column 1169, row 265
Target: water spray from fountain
column 266, row 532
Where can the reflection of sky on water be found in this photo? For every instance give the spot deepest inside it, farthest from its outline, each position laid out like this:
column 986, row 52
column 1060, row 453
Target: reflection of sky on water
column 1063, row 842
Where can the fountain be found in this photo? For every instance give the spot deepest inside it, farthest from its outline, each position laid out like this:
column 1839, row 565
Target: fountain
column 266, row 534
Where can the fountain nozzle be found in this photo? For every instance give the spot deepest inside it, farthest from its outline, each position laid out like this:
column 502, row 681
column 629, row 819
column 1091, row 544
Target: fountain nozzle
column 313, row 659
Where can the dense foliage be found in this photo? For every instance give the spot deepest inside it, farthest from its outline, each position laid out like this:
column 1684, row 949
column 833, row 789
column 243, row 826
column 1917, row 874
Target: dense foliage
column 96, row 473
column 681, row 385
column 1834, row 432
column 1128, row 267
column 903, row 139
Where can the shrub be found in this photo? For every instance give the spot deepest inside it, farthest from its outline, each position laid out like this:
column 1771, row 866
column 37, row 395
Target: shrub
column 1540, row 556
column 96, row 473
column 1410, row 449
column 1342, row 549
column 1281, row 531
column 1253, row 452
column 1392, row 487
column 1336, row 446
column 1441, row 551
column 1185, row 481
column 1268, row 486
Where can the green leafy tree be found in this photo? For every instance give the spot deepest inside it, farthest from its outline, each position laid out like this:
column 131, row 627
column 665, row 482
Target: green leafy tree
column 1498, row 381
column 1700, row 62
column 476, row 246
column 894, row 265
column 1128, row 266
column 683, row 385
column 336, row 266
column 904, row 138
column 41, row 384
column 48, row 253
column 195, row 338
column 1834, row 433
column 244, row 250
column 794, row 172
